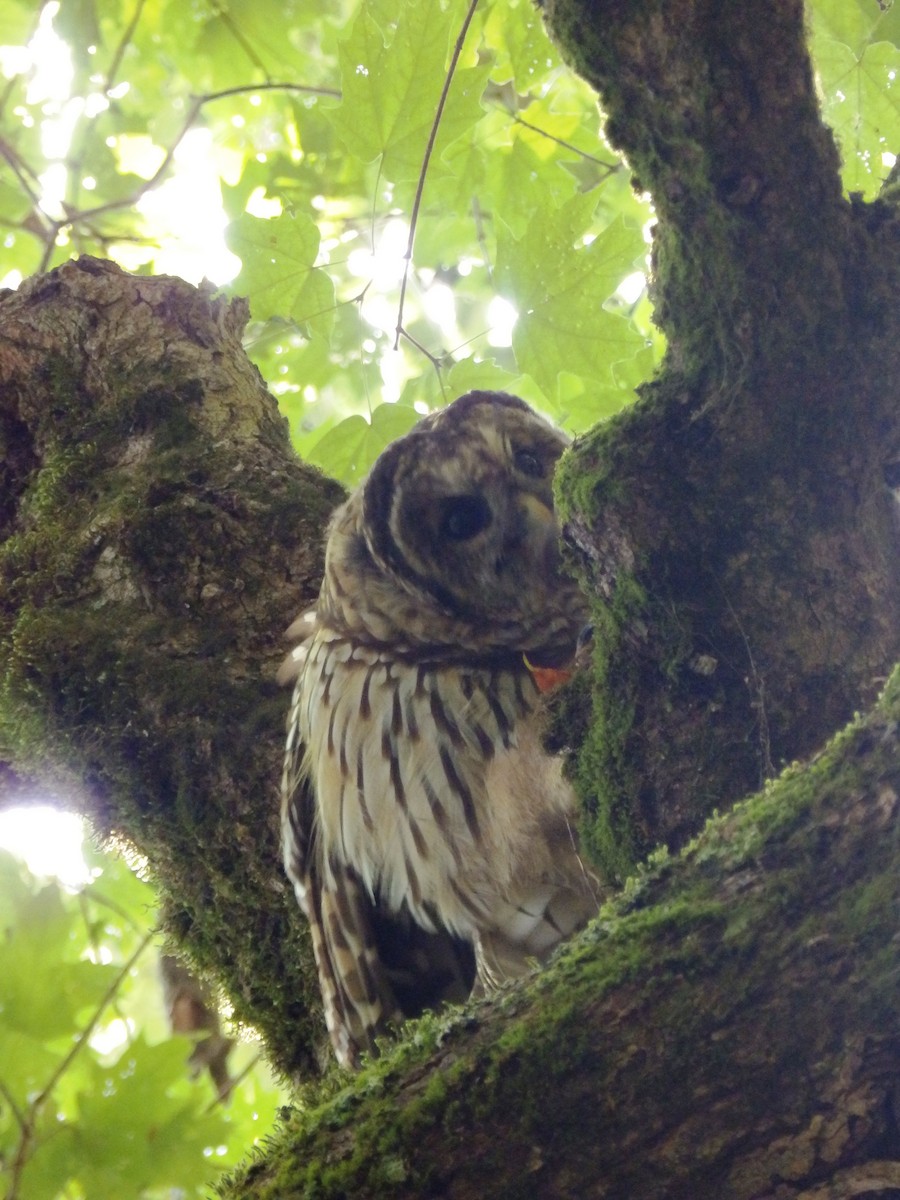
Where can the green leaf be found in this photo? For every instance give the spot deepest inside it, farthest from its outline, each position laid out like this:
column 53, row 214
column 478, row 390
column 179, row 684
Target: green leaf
column 47, row 1172
column 502, row 170
column 17, row 20
column 278, row 257
column 853, row 22
column 140, row 1120
column 349, row 450
column 578, row 408
column 473, row 374
column 42, row 992
column 252, row 36
column 524, row 52
column 119, row 891
column 559, row 286
column 862, row 105
column 391, row 91
column 26, row 1063
column 108, row 1128
column 858, row 65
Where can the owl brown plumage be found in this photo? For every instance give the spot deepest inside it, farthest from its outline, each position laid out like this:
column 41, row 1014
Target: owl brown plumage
column 428, row 834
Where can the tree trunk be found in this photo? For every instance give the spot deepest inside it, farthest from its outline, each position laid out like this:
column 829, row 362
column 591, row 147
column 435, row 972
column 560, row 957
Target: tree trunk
column 158, row 536
column 728, row 1027
column 738, row 526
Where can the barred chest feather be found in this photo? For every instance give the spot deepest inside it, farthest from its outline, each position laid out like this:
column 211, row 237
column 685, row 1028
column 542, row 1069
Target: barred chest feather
column 433, row 784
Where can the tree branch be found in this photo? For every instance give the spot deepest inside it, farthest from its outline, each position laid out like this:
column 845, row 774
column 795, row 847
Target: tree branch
column 726, row 1028
column 715, row 107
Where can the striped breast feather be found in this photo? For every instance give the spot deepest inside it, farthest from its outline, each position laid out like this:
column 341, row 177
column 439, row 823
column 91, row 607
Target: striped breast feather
column 399, row 775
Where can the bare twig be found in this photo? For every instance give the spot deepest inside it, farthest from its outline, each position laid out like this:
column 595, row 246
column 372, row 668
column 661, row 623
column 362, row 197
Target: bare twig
column 426, row 159
column 610, row 168
column 437, row 361
column 76, row 218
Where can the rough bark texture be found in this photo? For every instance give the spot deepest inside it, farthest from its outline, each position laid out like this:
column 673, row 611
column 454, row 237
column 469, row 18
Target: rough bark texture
column 729, row 1027
column 158, row 534
column 737, row 525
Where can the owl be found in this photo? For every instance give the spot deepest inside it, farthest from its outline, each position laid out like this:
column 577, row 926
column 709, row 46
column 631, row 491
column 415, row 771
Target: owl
column 428, row 834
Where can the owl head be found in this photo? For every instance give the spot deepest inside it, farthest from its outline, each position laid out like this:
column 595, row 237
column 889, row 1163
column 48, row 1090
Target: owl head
column 451, row 543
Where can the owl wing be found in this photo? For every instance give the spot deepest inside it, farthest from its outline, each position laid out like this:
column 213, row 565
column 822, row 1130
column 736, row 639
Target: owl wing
column 356, row 992
column 375, row 968
column 357, row 996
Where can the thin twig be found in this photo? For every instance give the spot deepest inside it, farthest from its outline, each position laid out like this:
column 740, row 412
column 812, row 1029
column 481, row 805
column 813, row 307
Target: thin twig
column 21, row 170
column 218, row 1101
column 74, row 218
column 273, row 86
column 85, row 1034
column 610, row 167
column 13, row 1107
column 196, row 104
column 436, row 362
column 119, row 52
column 426, row 159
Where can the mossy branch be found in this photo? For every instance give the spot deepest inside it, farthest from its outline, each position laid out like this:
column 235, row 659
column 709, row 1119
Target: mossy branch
column 737, row 527
column 715, row 107
column 726, row 1028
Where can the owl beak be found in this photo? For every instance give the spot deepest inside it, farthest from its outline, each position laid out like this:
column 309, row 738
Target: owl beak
column 542, row 532
column 538, row 514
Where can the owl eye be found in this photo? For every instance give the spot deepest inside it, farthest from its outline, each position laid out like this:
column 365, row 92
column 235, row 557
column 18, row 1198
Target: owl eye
column 464, row 517
column 528, row 463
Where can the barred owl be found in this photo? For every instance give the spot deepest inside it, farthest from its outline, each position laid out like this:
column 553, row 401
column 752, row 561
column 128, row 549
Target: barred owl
column 428, row 834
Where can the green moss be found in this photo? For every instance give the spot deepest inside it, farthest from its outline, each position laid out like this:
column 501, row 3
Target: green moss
column 169, row 415
column 507, row 1072
column 117, row 533
column 603, row 776
column 589, row 481
column 600, row 724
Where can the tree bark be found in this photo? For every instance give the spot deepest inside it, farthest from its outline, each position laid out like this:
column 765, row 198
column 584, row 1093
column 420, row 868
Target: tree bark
column 738, row 526
column 158, row 535
column 728, row 1027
